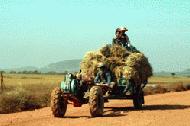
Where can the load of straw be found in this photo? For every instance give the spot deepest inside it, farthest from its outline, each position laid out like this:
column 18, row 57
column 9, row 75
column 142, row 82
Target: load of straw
column 120, row 61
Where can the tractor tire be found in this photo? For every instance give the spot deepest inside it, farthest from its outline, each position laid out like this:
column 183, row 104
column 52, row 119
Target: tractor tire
column 96, row 101
column 58, row 103
column 138, row 100
column 138, row 96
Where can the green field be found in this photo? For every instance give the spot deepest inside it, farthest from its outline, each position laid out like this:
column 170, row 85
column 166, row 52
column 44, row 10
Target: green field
column 166, row 79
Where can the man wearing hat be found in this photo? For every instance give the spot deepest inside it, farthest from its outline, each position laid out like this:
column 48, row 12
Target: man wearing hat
column 121, row 38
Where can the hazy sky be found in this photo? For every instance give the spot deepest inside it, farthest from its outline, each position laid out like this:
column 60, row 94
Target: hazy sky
column 39, row 32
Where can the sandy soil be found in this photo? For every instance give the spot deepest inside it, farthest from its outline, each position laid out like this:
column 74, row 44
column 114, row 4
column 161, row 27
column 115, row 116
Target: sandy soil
column 170, row 109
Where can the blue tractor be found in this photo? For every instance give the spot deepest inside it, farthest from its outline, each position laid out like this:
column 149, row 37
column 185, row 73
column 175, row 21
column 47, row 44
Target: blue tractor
column 79, row 92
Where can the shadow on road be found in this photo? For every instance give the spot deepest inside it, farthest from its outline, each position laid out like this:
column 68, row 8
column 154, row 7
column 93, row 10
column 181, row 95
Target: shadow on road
column 121, row 111
column 165, row 107
column 74, row 117
column 150, row 107
column 113, row 114
column 110, row 114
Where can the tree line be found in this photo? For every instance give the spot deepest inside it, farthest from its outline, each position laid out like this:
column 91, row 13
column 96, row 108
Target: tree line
column 34, row 72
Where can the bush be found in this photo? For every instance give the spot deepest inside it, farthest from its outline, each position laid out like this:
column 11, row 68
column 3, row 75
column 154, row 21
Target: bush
column 11, row 101
column 186, row 86
column 154, row 89
column 19, row 100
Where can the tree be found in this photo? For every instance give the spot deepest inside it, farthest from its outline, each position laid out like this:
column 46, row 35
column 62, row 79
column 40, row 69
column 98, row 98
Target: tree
column 173, row 74
column 36, row 72
column 12, row 72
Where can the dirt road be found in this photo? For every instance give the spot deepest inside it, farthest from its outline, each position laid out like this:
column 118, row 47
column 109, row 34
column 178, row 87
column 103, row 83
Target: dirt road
column 170, row 109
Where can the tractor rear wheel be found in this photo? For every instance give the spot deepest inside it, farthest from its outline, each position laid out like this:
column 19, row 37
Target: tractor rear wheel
column 138, row 99
column 58, row 103
column 137, row 102
column 96, row 101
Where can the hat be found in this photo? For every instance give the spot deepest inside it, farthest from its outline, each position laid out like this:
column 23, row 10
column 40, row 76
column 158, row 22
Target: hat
column 121, row 29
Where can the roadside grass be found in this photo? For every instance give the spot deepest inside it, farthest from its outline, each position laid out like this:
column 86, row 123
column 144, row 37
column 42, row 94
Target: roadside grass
column 167, row 84
column 166, row 79
column 28, row 91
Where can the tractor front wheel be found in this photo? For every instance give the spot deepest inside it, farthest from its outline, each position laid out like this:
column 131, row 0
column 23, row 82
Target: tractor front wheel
column 96, row 101
column 58, row 103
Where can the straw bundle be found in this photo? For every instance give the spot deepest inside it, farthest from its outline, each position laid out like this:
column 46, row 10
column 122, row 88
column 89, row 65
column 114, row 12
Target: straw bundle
column 140, row 68
column 120, row 61
column 89, row 64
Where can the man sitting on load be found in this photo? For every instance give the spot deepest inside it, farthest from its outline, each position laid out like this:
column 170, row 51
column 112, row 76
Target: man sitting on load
column 122, row 39
column 104, row 76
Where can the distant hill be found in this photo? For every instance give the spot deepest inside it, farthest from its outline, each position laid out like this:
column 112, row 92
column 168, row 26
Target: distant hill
column 62, row 66
column 185, row 72
column 162, row 73
column 74, row 65
column 59, row 67
column 25, row 68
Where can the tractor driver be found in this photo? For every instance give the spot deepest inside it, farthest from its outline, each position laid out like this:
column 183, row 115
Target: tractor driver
column 121, row 38
column 103, row 75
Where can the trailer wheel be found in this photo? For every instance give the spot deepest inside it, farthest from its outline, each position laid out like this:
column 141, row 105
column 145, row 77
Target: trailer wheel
column 58, row 103
column 137, row 102
column 96, row 101
column 138, row 95
column 138, row 98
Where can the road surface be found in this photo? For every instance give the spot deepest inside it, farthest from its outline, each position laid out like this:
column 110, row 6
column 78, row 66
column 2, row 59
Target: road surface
column 170, row 109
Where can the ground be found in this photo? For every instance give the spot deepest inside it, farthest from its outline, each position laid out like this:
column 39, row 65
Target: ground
column 169, row 109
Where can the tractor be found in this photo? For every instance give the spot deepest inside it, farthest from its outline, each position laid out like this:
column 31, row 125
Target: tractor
column 78, row 92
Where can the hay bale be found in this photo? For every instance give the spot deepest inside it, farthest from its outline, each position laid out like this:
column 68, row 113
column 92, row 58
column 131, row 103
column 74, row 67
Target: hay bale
column 118, row 72
column 89, row 63
column 111, row 56
column 139, row 64
column 113, row 62
column 106, row 51
column 120, row 62
column 130, row 73
column 114, row 51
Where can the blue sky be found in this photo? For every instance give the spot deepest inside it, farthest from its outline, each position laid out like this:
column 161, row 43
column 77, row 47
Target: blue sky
column 39, row 32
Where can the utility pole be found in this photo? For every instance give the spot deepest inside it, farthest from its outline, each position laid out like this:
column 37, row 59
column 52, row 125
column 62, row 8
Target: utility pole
column 2, row 83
